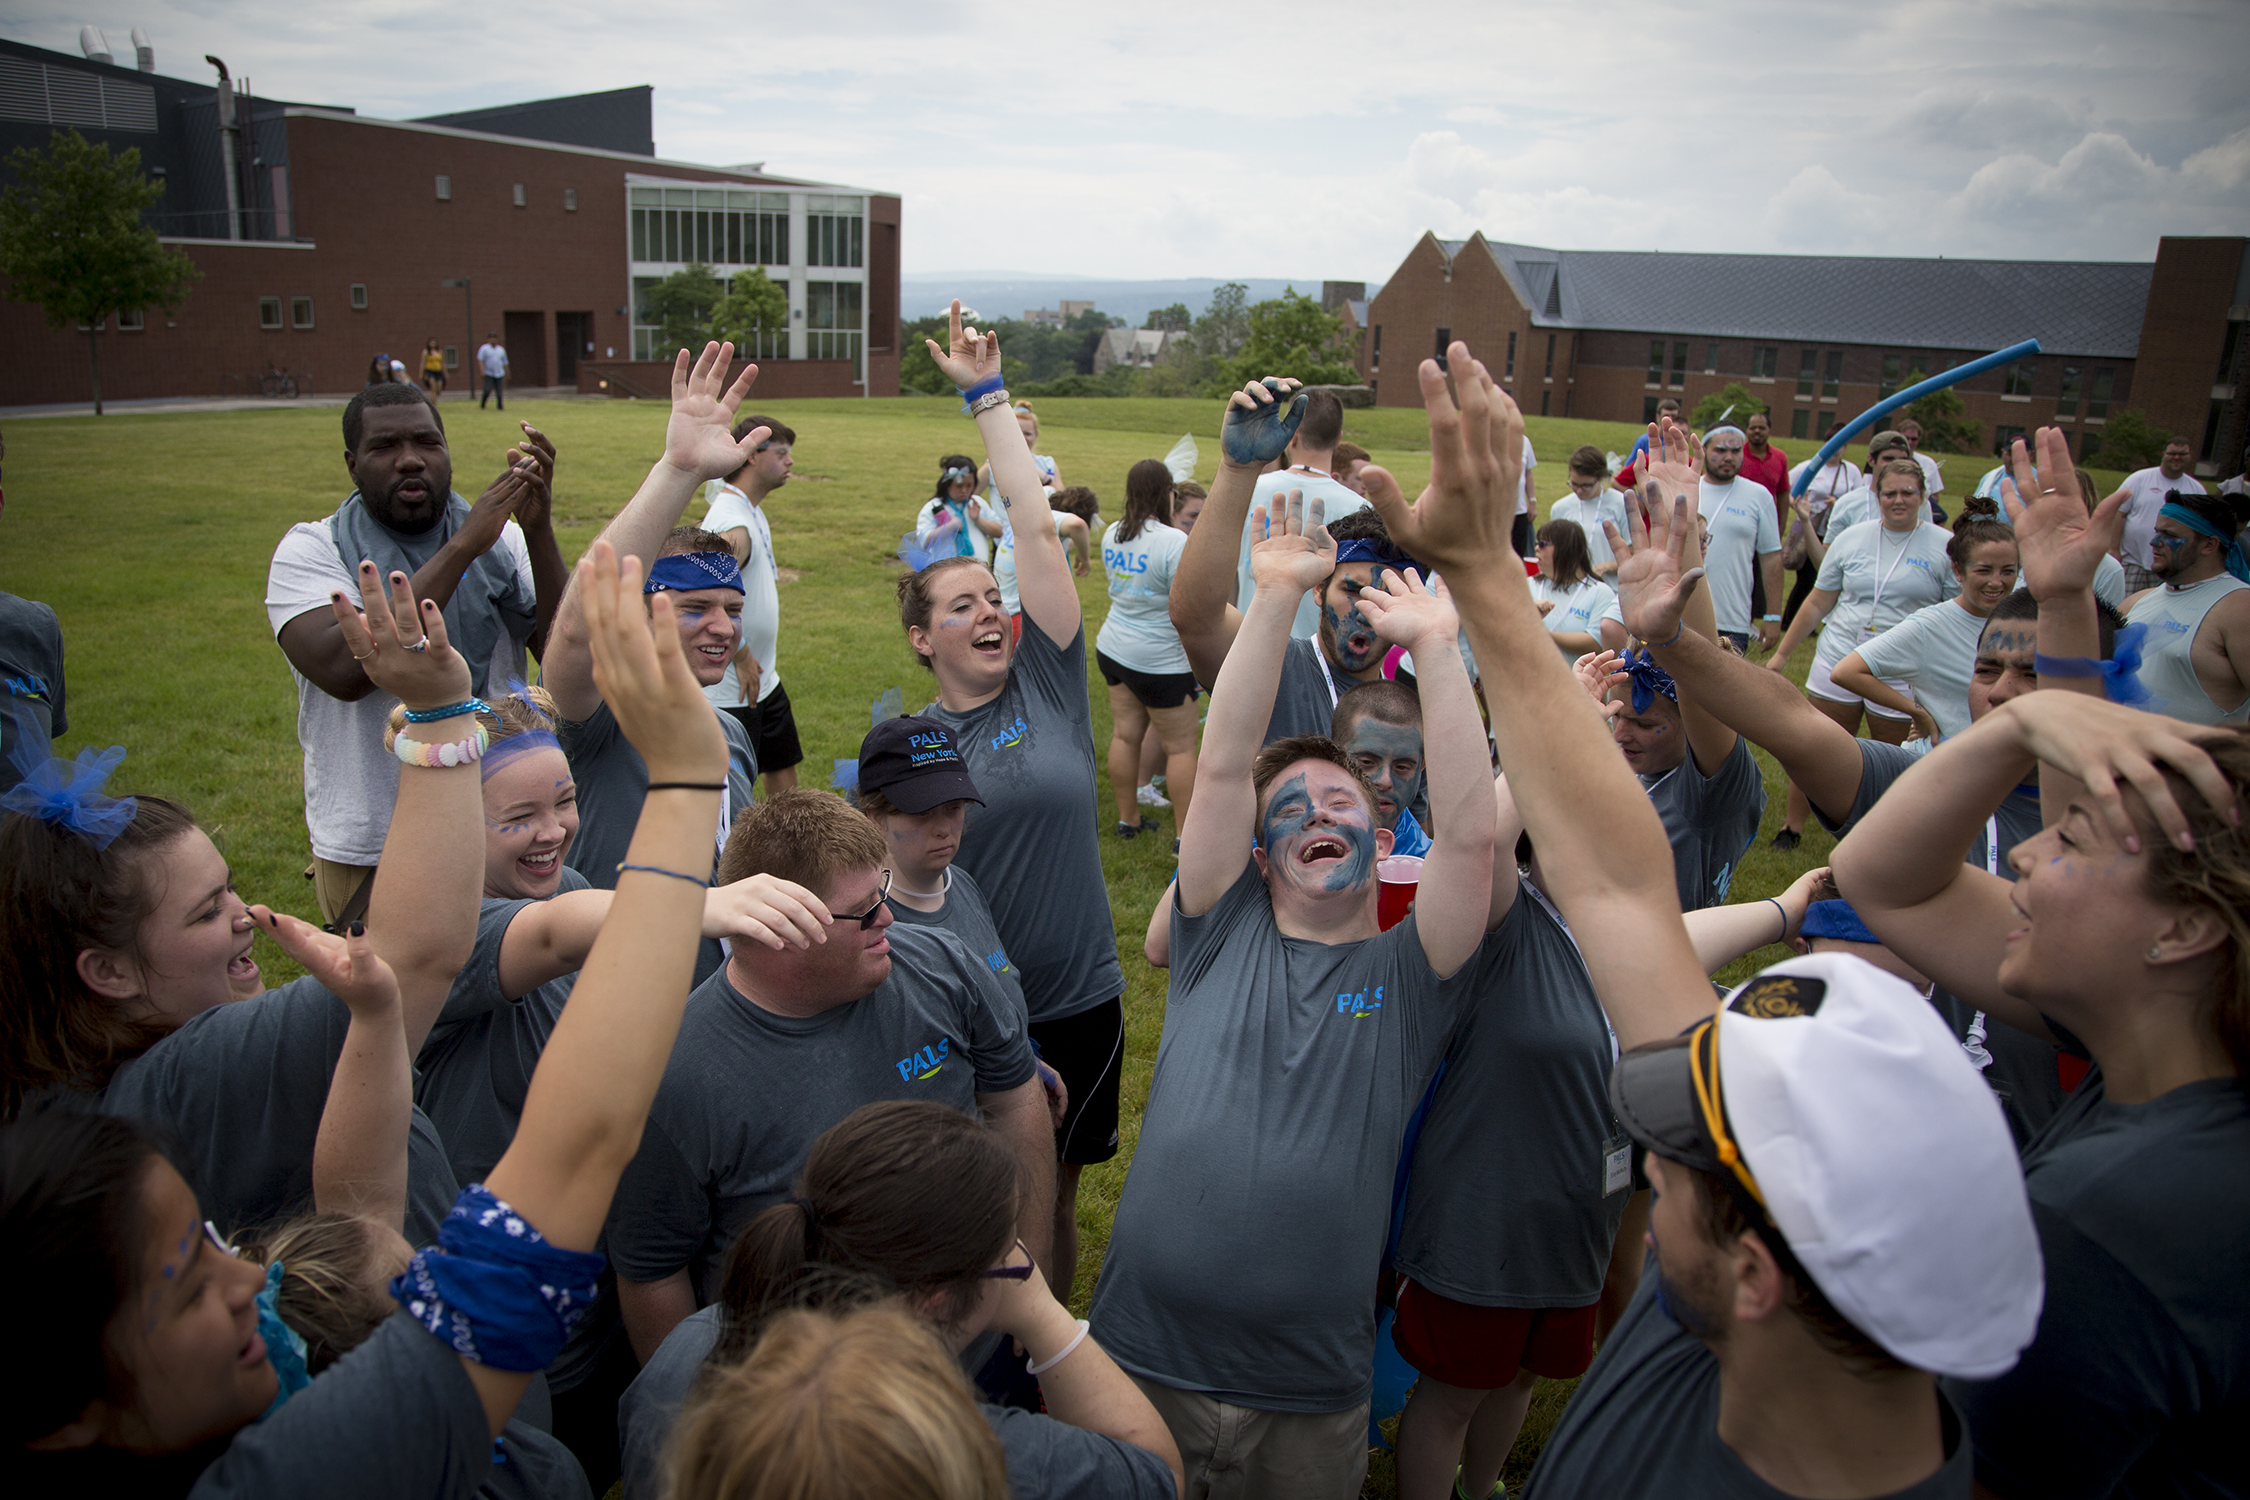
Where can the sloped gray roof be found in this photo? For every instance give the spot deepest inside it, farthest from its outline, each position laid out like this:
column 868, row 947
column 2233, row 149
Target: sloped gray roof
column 2071, row 307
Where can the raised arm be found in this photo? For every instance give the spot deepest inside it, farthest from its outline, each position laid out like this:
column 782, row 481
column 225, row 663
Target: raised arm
column 1673, row 472
column 1255, row 431
column 550, row 575
column 1043, row 581
column 1452, row 909
column 1810, row 613
column 1294, row 553
column 1601, row 847
column 551, row 938
column 698, row 446
column 1816, row 550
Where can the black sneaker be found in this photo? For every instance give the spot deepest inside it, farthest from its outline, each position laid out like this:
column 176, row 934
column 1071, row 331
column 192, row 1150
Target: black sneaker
column 1130, row 830
column 1787, row 839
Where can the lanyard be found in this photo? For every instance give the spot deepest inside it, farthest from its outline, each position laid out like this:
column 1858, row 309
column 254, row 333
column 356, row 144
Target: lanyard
column 1325, row 675
column 1885, row 578
column 1992, row 844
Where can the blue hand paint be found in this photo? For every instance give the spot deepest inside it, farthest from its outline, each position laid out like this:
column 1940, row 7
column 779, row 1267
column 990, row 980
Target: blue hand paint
column 1260, row 435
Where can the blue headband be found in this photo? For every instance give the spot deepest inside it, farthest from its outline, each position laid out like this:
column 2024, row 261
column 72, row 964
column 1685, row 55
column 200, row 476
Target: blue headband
column 68, row 794
column 1649, row 679
column 494, row 1289
column 1836, row 919
column 2230, row 551
column 1367, row 549
column 689, row 571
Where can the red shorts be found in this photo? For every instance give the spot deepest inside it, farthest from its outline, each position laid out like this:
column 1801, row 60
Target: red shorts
column 1484, row 1348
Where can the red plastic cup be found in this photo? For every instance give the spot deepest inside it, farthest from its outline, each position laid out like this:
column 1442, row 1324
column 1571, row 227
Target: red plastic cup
column 1397, row 879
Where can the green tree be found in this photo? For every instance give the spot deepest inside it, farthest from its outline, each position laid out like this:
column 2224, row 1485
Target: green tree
column 1943, row 415
column 915, row 367
column 1176, row 318
column 1735, row 394
column 1293, row 335
column 754, row 313
column 1225, row 325
column 680, row 307
column 2131, row 441
column 72, row 241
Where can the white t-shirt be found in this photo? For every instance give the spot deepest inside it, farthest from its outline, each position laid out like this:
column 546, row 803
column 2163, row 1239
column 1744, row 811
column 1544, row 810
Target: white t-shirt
column 1837, row 478
column 935, row 510
column 1880, row 578
column 1336, row 501
column 1934, row 652
column 1577, row 608
column 1853, row 507
column 1933, row 482
column 1741, row 519
column 1138, row 632
column 761, row 591
column 350, row 779
column 492, row 359
column 1524, row 498
column 1608, row 506
column 2144, row 498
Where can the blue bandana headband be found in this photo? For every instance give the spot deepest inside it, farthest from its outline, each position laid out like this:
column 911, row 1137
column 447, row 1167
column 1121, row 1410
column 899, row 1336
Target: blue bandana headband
column 1649, row 679
column 2230, row 552
column 1836, row 919
column 1367, row 549
column 68, row 793
column 686, row 572
column 494, row 1289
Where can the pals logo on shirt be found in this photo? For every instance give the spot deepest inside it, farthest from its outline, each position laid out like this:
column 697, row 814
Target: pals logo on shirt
column 30, row 685
column 997, row 959
column 1011, row 735
column 925, row 1063
column 1117, row 560
column 1359, row 1006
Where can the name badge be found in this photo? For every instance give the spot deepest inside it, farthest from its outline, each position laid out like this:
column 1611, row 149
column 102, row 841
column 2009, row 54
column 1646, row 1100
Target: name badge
column 1617, row 1165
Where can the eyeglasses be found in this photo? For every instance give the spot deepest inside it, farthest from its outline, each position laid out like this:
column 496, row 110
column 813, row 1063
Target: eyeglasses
column 866, row 919
column 1011, row 1273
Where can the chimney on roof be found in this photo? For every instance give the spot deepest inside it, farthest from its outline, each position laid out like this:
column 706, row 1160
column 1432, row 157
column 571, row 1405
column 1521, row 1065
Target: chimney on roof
column 144, row 54
column 94, row 45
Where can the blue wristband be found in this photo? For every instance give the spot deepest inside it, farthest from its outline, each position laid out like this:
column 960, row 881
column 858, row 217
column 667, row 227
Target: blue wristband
column 2065, row 666
column 983, row 387
column 450, row 711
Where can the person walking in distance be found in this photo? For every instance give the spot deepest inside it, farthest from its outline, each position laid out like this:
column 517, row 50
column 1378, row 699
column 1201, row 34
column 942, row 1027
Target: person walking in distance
column 433, row 368
column 493, row 360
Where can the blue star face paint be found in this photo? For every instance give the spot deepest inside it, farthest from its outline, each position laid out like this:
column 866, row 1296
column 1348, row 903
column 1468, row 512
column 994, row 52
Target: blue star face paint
column 1349, row 639
column 1316, row 832
column 1390, row 756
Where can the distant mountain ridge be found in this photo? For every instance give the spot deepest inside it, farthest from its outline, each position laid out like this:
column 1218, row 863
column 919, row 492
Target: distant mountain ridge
column 1009, row 294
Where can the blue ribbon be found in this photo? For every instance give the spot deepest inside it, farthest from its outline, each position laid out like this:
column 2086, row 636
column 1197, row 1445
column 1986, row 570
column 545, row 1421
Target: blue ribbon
column 1836, row 919
column 494, row 1289
column 1648, row 679
column 2120, row 675
column 285, row 1346
column 2230, row 552
column 688, row 571
column 68, row 793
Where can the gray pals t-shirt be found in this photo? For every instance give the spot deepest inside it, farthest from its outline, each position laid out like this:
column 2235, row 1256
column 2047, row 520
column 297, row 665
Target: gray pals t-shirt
column 476, row 1064
column 1033, row 847
column 241, row 1087
column 1709, row 819
column 613, row 782
column 747, row 1091
column 1882, row 765
column 1245, row 1249
column 1303, row 704
column 1510, row 1203
column 968, row 917
column 31, row 680
column 1046, row 1458
column 1645, row 1422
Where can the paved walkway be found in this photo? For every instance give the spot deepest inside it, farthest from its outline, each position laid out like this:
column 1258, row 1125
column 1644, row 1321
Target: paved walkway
column 256, row 403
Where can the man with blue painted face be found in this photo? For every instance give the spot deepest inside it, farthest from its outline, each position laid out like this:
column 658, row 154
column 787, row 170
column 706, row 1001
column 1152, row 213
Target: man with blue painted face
column 1297, row 1041
column 2197, row 619
column 1379, row 724
column 1336, row 647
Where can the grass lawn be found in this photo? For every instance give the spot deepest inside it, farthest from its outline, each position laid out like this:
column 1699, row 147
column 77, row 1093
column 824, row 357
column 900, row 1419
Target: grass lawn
column 150, row 535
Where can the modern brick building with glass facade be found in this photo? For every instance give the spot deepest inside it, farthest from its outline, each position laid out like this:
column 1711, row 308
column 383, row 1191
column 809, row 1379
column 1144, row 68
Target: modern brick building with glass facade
column 1819, row 339
column 345, row 236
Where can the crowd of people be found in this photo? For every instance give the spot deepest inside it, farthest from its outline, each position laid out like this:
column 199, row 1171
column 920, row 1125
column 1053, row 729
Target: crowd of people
column 728, row 1144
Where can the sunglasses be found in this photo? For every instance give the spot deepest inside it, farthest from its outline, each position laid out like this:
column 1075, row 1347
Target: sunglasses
column 1011, row 1273
column 866, row 919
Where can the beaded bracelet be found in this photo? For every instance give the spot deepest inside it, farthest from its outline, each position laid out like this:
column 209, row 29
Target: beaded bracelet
column 986, row 402
column 474, row 705
column 450, row 753
column 622, row 867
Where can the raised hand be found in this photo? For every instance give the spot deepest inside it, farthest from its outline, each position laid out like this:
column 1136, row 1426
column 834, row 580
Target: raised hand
column 1404, row 613
column 1462, row 519
column 1258, row 427
column 506, row 497
column 1652, row 588
column 971, row 358
column 2104, row 744
column 643, row 675
column 1674, row 465
column 1597, row 673
column 346, row 965
column 401, row 648
column 537, row 506
column 2059, row 544
column 699, row 437
column 766, row 909
column 1294, row 551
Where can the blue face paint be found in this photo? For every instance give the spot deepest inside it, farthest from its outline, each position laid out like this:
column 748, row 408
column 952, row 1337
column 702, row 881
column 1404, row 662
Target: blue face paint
column 1350, row 639
column 1288, row 825
column 1261, row 434
column 1382, row 750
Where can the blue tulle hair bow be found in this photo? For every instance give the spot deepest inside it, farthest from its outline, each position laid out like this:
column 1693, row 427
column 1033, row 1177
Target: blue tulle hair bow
column 2121, row 674
column 68, row 793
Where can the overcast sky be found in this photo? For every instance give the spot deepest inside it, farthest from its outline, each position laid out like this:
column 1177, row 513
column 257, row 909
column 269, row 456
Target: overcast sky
column 1320, row 139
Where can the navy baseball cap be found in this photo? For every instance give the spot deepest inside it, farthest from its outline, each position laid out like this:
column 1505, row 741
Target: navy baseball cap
column 914, row 764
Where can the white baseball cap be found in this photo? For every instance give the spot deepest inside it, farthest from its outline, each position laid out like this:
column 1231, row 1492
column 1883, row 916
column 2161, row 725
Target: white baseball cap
column 1837, row 1098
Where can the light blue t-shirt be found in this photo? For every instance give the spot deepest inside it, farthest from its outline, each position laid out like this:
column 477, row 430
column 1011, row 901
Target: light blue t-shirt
column 1740, row 516
column 1608, row 506
column 1578, row 608
column 1880, row 578
column 1138, row 632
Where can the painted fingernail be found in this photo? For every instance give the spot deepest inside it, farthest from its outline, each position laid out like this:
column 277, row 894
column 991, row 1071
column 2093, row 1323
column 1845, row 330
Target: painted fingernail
column 357, row 929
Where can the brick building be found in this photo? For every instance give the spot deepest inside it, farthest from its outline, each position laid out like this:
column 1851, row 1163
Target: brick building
column 1606, row 334
column 345, row 235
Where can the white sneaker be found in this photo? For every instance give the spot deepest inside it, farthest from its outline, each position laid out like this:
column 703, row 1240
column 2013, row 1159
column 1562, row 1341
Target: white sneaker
column 1149, row 796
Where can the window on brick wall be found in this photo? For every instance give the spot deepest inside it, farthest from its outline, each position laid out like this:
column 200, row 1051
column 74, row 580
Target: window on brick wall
column 1543, row 398
column 1648, row 410
column 1509, row 373
column 269, row 312
column 444, row 188
column 2098, row 395
column 1808, row 370
column 2019, row 378
column 1711, row 358
column 2066, row 397
column 1833, row 381
column 1679, row 363
column 517, row 193
column 134, row 320
column 570, row 200
column 1827, row 424
column 1375, row 355
column 1549, row 372
column 1764, row 361
column 1656, row 361
column 1890, row 380
column 1799, row 421
column 300, row 312
column 359, row 296
column 1444, row 342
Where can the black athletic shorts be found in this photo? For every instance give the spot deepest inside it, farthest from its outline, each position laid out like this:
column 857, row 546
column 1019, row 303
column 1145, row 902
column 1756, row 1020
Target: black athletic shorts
column 773, row 730
column 1153, row 689
column 1088, row 1050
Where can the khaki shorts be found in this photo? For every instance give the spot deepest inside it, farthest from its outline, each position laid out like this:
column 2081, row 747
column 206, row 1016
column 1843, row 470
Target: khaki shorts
column 1240, row 1453
column 333, row 884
